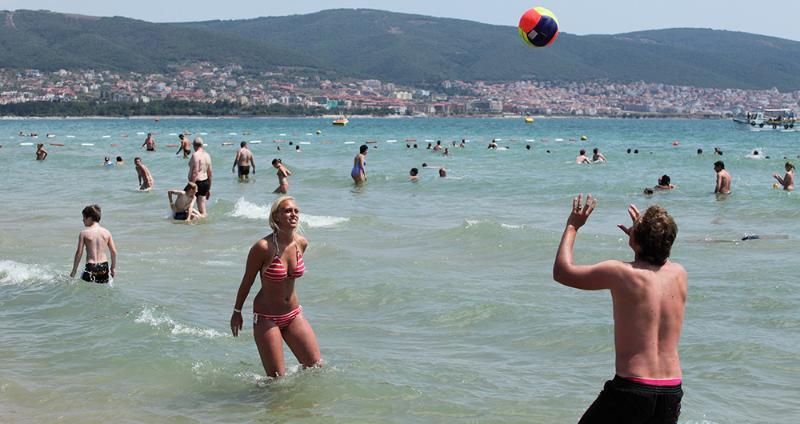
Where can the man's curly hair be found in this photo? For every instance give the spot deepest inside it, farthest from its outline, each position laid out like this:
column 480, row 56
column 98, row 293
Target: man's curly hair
column 654, row 232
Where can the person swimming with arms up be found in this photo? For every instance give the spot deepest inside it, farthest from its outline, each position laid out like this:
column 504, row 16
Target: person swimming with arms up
column 648, row 296
column 183, row 206
column 787, row 182
column 95, row 239
column 277, row 314
column 283, row 176
column 359, row 171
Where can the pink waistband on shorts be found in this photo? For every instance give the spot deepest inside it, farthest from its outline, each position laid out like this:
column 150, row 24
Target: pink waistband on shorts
column 655, row 381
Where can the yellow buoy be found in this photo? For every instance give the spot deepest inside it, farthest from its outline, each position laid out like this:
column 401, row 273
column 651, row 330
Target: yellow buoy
column 584, row 138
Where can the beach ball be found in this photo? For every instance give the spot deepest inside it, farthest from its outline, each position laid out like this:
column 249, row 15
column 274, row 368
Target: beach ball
column 538, row 27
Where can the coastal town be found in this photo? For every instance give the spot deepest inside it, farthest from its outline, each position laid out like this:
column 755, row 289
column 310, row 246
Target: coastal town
column 209, row 83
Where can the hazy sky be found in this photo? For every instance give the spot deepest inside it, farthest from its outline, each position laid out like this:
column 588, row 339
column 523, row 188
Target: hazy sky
column 780, row 18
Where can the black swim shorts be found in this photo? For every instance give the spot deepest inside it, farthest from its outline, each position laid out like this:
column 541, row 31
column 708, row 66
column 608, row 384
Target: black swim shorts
column 625, row 401
column 244, row 170
column 96, row 273
column 202, row 188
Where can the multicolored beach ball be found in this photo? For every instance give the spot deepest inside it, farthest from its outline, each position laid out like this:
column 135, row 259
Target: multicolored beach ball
column 538, row 27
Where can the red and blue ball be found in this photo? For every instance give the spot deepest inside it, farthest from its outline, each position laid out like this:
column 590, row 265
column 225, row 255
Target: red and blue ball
column 538, row 27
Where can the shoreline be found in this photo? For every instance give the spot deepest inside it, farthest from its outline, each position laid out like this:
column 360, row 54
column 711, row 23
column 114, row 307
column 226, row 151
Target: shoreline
column 354, row 117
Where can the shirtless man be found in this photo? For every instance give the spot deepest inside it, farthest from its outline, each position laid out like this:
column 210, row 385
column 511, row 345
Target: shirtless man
column 581, row 158
column 184, row 147
column 648, row 296
column 145, row 179
column 597, row 156
column 200, row 174
column 41, row 153
column 150, row 143
column 183, row 206
column 244, row 157
column 723, row 178
column 95, row 239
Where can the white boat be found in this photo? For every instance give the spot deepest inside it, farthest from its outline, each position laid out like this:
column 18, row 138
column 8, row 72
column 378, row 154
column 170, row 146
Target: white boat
column 768, row 119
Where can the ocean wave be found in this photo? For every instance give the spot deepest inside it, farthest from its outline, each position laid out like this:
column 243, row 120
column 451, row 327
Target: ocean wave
column 12, row 273
column 249, row 210
column 148, row 316
column 470, row 223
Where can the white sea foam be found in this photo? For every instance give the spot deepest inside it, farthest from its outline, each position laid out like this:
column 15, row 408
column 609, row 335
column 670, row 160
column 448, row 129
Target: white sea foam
column 139, row 133
column 12, row 273
column 245, row 209
column 175, row 134
column 349, row 142
column 106, row 136
column 70, row 136
column 148, row 316
column 304, row 142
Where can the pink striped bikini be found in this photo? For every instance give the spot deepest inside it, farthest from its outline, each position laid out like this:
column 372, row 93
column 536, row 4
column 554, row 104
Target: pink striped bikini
column 276, row 272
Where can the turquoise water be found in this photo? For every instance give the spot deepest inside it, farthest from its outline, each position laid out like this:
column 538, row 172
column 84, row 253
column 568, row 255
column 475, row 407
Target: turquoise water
column 432, row 302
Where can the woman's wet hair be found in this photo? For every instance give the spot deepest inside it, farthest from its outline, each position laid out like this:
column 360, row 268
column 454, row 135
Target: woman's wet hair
column 274, row 209
column 654, row 233
column 92, row 212
column 414, row 172
column 664, row 180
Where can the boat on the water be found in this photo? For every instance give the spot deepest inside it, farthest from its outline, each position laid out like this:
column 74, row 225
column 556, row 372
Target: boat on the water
column 340, row 122
column 768, row 119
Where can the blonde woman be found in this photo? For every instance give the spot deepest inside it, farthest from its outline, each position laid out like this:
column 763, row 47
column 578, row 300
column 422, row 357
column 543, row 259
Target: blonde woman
column 277, row 314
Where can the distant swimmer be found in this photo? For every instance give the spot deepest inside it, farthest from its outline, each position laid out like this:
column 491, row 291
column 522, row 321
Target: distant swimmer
column 699, row 151
column 183, row 206
column 244, row 160
column 95, row 239
column 41, row 153
column 200, row 174
column 359, row 171
column 283, row 176
column 723, row 184
column 438, row 146
column 597, row 156
column 493, row 144
column 442, row 172
column 277, row 314
column 756, row 155
column 446, row 151
column 527, row 146
column 120, row 161
column 581, row 158
column 664, row 183
column 717, row 151
column 143, row 174
column 649, row 295
column 149, row 143
column 413, row 175
column 184, row 146
column 107, row 162
column 788, row 180
column 462, row 145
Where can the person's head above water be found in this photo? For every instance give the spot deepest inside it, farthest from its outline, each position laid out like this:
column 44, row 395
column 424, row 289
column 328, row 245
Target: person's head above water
column 280, row 214
column 190, row 188
column 699, row 151
column 652, row 235
column 424, row 165
column 528, row 146
column 91, row 214
column 413, row 172
column 442, row 172
column 664, row 180
column 363, row 149
column 595, row 150
column 629, row 150
column 583, row 152
column 119, row 158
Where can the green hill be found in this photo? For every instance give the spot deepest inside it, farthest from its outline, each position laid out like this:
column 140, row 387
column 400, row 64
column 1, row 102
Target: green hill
column 399, row 47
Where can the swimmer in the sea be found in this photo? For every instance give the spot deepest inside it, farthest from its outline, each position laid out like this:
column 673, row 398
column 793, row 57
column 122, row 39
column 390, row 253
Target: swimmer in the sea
column 413, row 175
column 788, row 180
column 184, row 146
column 438, row 146
column 150, row 143
column 277, row 260
column 664, row 183
column 283, row 176
column 717, row 151
column 442, row 172
column 581, row 158
column 183, row 206
column 493, row 144
column 359, row 171
column 244, row 160
column 95, row 239
column 597, row 156
column 107, row 161
column 649, row 296
column 723, row 184
column 143, row 174
column 41, row 153
column 120, row 161
column 699, row 151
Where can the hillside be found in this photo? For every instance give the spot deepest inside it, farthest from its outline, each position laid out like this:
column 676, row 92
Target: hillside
column 399, row 47
column 50, row 41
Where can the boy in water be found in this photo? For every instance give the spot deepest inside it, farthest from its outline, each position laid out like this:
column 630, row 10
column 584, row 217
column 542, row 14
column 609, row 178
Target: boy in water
column 183, row 206
column 648, row 294
column 723, row 178
column 95, row 239
column 145, row 178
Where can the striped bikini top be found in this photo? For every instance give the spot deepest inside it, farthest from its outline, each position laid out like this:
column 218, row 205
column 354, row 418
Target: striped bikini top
column 276, row 271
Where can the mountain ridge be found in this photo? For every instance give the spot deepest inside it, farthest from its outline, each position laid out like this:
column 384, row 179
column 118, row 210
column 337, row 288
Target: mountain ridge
column 401, row 47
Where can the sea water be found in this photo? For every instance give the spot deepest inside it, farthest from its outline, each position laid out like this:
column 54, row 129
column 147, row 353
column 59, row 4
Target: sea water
column 432, row 301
